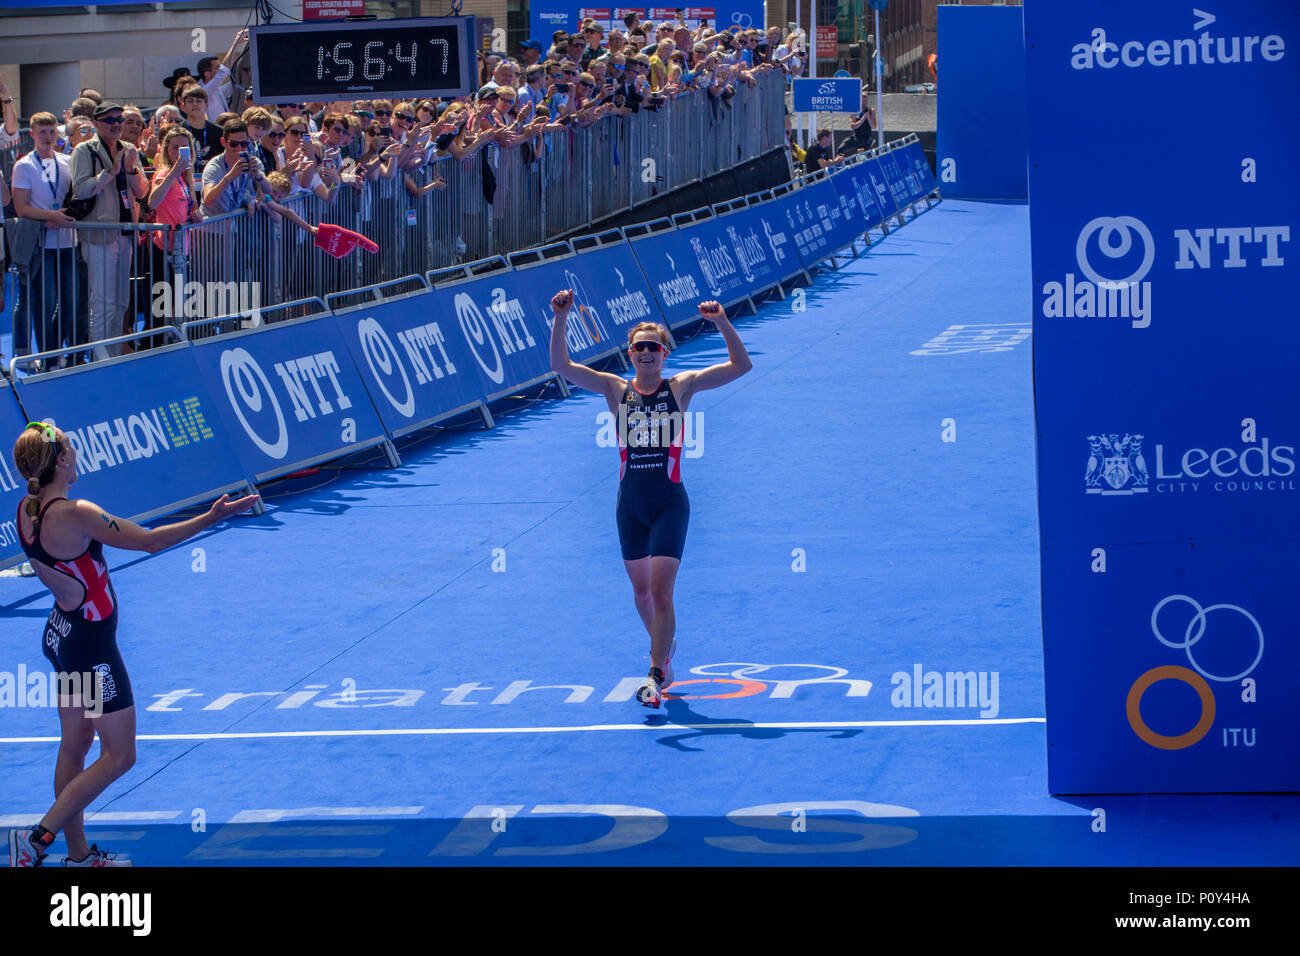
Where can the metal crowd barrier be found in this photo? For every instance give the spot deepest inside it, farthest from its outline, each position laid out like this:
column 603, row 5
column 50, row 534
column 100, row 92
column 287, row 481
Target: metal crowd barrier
column 496, row 202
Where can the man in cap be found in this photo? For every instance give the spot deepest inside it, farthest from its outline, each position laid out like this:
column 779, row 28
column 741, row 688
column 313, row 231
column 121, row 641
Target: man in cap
column 108, row 171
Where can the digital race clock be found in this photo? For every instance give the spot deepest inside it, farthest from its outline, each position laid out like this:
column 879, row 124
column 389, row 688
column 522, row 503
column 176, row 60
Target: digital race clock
column 432, row 57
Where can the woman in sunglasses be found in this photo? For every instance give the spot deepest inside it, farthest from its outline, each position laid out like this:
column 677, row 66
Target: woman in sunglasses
column 653, row 509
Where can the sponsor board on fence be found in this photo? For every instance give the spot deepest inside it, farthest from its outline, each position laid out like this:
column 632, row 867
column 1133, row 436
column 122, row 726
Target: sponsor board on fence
column 413, row 362
column 149, row 436
column 289, row 394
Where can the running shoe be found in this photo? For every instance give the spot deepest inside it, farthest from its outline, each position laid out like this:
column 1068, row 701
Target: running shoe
column 650, row 693
column 22, row 852
column 97, row 857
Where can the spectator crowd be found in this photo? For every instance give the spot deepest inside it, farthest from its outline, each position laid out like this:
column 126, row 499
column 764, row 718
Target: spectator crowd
column 102, row 164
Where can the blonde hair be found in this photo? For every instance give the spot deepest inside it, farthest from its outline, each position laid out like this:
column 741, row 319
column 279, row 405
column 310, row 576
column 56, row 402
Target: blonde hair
column 655, row 327
column 279, row 180
column 173, row 131
column 36, row 453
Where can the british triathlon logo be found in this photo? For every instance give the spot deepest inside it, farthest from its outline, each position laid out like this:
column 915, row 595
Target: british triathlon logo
column 1122, row 466
column 1228, row 635
column 1114, row 256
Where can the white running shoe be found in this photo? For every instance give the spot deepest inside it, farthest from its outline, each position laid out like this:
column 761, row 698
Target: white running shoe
column 97, row 857
column 650, row 693
column 22, row 851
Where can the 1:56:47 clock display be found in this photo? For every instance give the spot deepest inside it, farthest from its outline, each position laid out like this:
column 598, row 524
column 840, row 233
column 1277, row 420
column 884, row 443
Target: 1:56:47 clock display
column 432, row 57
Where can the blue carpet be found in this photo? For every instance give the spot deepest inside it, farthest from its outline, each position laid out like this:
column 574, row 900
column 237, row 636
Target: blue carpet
column 455, row 638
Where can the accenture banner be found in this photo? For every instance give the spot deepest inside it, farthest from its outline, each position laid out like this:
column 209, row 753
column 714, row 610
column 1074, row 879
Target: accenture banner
column 610, row 296
column 149, row 435
column 689, row 265
column 13, row 487
column 289, row 395
column 1166, row 357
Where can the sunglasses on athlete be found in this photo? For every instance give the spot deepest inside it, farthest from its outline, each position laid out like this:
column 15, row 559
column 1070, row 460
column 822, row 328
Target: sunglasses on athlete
column 647, row 347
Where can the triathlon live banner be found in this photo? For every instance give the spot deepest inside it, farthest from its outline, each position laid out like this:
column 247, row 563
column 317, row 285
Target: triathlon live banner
column 149, row 437
column 981, row 148
column 1166, row 357
column 289, row 395
column 13, row 486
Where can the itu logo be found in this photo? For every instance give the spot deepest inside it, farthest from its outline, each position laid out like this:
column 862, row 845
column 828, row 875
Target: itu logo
column 1114, row 256
column 1229, row 621
column 1116, row 466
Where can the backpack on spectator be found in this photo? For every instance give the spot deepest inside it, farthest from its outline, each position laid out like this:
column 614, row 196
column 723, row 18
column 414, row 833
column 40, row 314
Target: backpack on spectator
column 80, row 208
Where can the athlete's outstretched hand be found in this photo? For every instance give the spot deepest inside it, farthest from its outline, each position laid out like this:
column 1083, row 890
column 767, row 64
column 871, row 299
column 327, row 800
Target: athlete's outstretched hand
column 712, row 311
column 223, row 507
column 562, row 301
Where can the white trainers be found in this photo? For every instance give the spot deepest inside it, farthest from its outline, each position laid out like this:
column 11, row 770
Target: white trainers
column 22, row 852
column 97, row 857
column 650, row 693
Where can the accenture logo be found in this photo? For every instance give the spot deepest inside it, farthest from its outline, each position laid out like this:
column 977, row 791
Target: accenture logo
column 1203, row 49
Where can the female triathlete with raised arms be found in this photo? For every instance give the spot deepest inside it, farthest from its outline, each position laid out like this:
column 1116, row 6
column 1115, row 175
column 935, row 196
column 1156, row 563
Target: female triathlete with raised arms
column 80, row 635
column 653, row 509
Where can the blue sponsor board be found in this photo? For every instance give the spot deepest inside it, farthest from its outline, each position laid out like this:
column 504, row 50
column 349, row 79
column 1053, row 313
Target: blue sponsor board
column 896, row 176
column 982, row 116
column 690, row 265
column 1165, row 364
column 770, row 254
column 916, row 170
column 819, row 222
column 828, row 95
column 289, row 394
column 148, row 434
column 507, row 342
column 610, row 296
column 412, row 358
column 857, row 195
column 547, row 16
column 13, row 486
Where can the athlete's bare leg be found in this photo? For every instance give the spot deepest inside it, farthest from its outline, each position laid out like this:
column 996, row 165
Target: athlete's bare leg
column 77, row 736
column 663, row 625
column 639, row 573
column 116, row 756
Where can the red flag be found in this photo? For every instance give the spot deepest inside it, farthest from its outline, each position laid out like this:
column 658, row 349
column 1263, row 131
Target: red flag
column 338, row 242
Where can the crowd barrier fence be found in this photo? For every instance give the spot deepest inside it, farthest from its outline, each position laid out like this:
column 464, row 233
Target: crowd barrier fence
column 322, row 376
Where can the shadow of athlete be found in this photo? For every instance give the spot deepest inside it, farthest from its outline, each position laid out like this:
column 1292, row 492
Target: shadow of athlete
column 653, row 510
column 679, row 712
column 81, row 634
